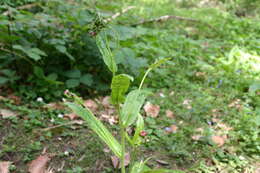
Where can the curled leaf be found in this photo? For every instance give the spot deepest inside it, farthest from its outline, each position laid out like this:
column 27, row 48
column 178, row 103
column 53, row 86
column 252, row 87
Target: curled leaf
column 119, row 86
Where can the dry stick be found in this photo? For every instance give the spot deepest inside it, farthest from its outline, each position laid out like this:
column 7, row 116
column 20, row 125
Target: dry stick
column 27, row 6
column 167, row 17
column 118, row 14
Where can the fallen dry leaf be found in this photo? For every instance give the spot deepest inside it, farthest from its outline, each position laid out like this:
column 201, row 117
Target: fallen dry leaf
column 110, row 119
column 4, row 167
column 199, row 130
column 106, row 101
column 92, row 105
column 55, row 105
column 219, row 140
column 200, row 74
column 71, row 116
column 15, row 99
column 169, row 113
column 174, row 128
column 152, row 110
column 2, row 98
column 187, row 104
column 116, row 161
column 224, row 127
column 7, row 113
column 39, row 165
column 196, row 137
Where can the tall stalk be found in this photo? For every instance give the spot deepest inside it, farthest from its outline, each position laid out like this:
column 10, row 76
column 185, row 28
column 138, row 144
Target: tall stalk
column 122, row 160
column 123, row 143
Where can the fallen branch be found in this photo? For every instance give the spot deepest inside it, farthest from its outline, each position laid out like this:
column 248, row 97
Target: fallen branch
column 118, row 14
column 168, row 17
column 27, row 6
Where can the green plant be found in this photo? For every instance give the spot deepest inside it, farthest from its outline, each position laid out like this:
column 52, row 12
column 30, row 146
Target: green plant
column 128, row 112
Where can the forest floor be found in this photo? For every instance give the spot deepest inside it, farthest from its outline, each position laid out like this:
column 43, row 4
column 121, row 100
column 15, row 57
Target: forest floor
column 204, row 116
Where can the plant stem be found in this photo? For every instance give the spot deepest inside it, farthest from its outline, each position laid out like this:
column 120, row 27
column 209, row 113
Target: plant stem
column 133, row 156
column 122, row 129
column 123, row 143
column 142, row 82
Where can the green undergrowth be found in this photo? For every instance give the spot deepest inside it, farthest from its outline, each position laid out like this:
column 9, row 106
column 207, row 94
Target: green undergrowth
column 211, row 80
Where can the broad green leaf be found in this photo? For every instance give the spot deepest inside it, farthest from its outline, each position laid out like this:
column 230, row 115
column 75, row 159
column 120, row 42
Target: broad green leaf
column 132, row 106
column 37, row 51
column 86, row 79
column 139, row 127
column 3, row 80
column 107, row 55
column 97, row 126
column 38, row 71
column 18, row 47
column 33, row 55
column 120, row 84
column 72, row 83
column 52, row 79
column 52, row 76
column 75, row 73
column 8, row 72
column 63, row 49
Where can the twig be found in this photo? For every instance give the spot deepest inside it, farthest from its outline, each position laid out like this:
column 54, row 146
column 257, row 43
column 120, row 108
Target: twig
column 27, row 6
column 64, row 124
column 118, row 14
column 167, row 17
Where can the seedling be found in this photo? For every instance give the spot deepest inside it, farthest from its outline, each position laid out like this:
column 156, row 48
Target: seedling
column 128, row 109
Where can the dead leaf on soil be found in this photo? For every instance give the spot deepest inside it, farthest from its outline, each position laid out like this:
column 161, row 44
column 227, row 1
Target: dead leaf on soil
column 187, row 103
column 199, row 130
column 4, row 167
column 55, row 105
column 6, row 113
column 196, row 137
column 39, row 165
column 224, row 127
column 110, row 119
column 116, row 161
column 106, row 101
column 92, row 105
column 169, row 113
column 152, row 110
column 71, row 116
column 174, row 128
column 2, row 98
column 15, row 99
column 218, row 140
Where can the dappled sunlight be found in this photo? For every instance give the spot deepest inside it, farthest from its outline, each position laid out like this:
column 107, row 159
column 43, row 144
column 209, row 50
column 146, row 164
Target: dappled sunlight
column 240, row 61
